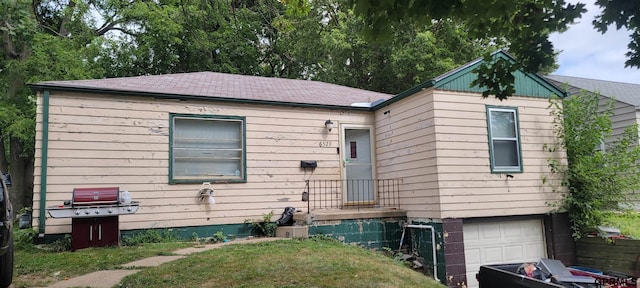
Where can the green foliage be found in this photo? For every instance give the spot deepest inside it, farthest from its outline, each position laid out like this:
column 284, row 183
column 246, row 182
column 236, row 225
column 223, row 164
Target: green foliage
column 628, row 222
column 597, row 181
column 150, row 236
column 24, row 238
column 397, row 256
column 218, row 237
column 263, row 227
column 622, row 13
column 523, row 25
column 61, row 245
column 327, row 45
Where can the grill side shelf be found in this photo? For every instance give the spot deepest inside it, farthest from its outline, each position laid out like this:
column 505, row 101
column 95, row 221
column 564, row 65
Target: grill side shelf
column 93, row 211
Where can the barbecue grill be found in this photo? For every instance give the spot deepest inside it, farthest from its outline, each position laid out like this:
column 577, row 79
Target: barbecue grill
column 94, row 202
column 94, row 214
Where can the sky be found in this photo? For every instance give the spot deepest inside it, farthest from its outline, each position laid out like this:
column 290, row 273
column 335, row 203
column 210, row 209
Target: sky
column 587, row 53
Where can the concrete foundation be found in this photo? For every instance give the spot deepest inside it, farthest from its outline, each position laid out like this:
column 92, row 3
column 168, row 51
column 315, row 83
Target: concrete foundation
column 292, row 232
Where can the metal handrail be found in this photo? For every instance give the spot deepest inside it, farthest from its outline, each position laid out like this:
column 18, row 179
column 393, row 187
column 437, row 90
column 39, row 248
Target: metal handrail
column 352, row 193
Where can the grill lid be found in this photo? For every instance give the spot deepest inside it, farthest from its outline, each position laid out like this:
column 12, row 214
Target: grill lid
column 95, row 196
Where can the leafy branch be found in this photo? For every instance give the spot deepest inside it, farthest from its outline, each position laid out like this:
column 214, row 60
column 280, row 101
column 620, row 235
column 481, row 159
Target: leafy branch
column 601, row 170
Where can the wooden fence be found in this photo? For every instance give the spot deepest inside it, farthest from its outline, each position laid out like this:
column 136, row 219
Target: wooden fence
column 620, row 255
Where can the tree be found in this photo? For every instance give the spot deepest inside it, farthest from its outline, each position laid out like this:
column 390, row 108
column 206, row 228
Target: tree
column 325, row 44
column 42, row 40
column 597, row 180
column 523, row 26
column 622, row 13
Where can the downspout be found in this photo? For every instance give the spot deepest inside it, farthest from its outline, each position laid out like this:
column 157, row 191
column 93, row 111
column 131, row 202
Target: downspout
column 433, row 245
column 43, row 164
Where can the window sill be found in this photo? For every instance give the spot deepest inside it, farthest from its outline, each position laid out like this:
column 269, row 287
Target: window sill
column 175, row 181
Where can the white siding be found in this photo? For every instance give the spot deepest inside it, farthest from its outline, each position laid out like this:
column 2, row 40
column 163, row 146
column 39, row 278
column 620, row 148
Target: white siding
column 467, row 188
column 405, row 138
column 106, row 140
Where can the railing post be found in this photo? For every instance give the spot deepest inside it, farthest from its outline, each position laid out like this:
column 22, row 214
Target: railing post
column 306, row 189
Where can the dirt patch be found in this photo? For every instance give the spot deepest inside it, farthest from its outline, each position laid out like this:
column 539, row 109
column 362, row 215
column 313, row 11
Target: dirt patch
column 33, row 280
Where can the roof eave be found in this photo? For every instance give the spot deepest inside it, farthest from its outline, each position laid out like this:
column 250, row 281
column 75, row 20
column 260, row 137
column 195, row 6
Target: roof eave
column 42, row 87
column 405, row 94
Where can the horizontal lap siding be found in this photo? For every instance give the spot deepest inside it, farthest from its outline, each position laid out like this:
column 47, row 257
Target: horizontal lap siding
column 624, row 115
column 467, row 187
column 405, row 148
column 106, row 140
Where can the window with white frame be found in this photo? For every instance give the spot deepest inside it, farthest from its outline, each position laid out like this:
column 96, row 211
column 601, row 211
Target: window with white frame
column 206, row 148
column 504, row 139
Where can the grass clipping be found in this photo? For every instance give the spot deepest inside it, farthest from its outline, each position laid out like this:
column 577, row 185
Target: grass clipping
column 287, row 263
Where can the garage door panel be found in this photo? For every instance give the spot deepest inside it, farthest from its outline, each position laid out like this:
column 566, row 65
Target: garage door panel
column 512, row 230
column 491, row 254
column 472, row 256
column 490, row 232
column 513, row 253
column 472, row 233
column 501, row 242
column 532, row 251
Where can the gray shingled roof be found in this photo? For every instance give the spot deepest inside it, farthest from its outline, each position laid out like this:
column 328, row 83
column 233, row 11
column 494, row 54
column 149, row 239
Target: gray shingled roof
column 625, row 92
column 225, row 86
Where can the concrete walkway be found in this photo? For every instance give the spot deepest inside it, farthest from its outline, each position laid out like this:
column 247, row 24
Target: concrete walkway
column 110, row 278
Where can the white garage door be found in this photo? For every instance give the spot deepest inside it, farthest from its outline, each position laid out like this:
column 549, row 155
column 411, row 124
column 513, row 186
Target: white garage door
column 501, row 242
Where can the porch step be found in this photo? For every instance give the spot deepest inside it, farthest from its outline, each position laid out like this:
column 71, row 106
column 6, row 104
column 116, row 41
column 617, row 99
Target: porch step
column 292, row 232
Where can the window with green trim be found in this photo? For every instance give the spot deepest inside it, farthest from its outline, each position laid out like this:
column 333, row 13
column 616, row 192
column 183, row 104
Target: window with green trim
column 504, row 139
column 205, row 148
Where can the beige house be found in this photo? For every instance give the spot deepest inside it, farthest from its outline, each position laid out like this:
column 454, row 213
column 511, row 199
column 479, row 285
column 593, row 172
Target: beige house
column 464, row 173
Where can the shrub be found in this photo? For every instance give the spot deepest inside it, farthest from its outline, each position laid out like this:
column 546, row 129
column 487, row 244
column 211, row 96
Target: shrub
column 150, row 236
column 265, row 227
column 595, row 180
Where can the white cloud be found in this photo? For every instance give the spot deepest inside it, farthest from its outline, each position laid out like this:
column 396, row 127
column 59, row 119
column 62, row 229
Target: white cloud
column 588, row 53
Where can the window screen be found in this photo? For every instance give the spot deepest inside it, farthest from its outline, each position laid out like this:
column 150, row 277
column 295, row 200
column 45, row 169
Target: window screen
column 207, row 148
column 504, row 139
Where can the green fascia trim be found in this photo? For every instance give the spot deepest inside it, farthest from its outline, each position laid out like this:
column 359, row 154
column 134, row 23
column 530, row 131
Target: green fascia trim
column 548, row 85
column 469, row 68
column 39, row 87
column 43, row 164
column 441, row 81
column 490, row 137
column 198, row 181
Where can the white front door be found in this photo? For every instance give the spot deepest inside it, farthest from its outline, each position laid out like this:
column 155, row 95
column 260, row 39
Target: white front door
column 501, row 242
column 358, row 166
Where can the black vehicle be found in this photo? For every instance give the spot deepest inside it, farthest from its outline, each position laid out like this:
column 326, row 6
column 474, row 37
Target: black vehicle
column 6, row 233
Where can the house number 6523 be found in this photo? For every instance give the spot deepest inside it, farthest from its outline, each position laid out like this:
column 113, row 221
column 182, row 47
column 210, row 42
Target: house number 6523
column 325, row 143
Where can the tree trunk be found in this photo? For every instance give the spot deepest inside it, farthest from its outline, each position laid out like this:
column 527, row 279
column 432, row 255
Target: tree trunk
column 21, row 170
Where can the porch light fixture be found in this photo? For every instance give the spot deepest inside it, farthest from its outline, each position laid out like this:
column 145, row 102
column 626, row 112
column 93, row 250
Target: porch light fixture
column 328, row 124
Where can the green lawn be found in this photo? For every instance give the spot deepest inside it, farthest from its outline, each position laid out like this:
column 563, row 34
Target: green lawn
column 37, row 267
column 283, row 263
column 628, row 223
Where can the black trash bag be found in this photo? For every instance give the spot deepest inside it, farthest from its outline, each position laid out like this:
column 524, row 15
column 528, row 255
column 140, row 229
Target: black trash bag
column 287, row 217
